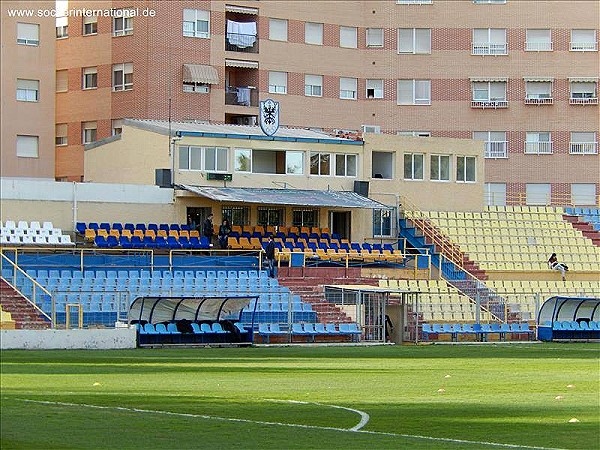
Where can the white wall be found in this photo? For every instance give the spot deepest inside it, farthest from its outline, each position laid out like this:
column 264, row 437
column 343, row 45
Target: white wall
column 107, row 339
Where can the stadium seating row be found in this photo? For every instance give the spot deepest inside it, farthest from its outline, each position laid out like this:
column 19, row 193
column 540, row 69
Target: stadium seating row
column 480, row 331
column 24, row 233
column 230, row 274
column 170, row 333
column 309, row 330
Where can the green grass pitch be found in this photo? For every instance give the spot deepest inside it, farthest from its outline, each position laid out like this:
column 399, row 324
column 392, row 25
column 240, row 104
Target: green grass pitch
column 425, row 397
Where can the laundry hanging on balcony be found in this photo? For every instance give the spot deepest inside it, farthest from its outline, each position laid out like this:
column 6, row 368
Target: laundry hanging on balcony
column 241, row 34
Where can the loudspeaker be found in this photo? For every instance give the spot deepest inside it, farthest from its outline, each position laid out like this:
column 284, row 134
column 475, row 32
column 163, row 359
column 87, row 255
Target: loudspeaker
column 361, row 188
column 163, row 178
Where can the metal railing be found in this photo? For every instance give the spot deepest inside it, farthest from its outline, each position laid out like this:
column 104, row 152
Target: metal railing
column 538, row 148
column 496, row 149
column 583, row 148
column 538, row 46
column 489, row 48
column 37, row 290
column 583, row 101
column 539, row 101
column 489, row 104
column 238, row 42
column 584, row 46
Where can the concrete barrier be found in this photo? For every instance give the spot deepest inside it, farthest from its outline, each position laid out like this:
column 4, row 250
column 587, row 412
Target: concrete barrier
column 96, row 339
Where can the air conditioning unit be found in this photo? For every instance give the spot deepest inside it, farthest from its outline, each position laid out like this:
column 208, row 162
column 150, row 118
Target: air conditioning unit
column 249, row 120
column 371, row 129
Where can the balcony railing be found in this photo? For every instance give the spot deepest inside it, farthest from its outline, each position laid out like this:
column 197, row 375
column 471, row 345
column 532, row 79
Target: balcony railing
column 583, row 101
column 489, row 48
column 584, row 46
column 489, row 104
column 496, row 149
column 583, row 148
column 245, row 43
column 538, row 148
column 538, row 46
column 241, row 96
column 539, row 100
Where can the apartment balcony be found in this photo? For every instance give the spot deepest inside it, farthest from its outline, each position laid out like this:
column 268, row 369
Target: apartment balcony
column 243, row 43
column 495, row 104
column 583, row 101
column 496, row 149
column 536, row 100
column 241, row 96
column 584, row 46
column 538, row 148
column 583, row 148
column 489, row 48
column 538, row 46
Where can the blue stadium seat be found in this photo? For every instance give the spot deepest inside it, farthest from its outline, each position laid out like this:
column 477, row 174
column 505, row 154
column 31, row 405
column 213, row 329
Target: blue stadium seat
column 81, row 227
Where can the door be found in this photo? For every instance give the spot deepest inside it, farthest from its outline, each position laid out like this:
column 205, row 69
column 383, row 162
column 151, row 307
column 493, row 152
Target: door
column 196, row 216
column 339, row 223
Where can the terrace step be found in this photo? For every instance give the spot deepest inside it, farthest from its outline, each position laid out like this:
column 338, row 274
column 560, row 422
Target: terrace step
column 25, row 315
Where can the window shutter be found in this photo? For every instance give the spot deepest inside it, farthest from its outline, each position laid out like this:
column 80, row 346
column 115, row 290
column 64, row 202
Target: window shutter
column 62, row 80
column 28, row 31
column 348, row 37
column 423, row 40
column 583, row 36
column 538, row 36
column 278, row 29
column 498, row 36
column 313, row 80
column 27, row 146
column 90, row 19
column 348, row 84
column 405, row 40
column 278, row 78
column 405, row 92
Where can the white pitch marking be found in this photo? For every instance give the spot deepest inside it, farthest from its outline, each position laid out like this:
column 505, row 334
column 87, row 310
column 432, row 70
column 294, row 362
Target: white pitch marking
column 292, row 425
column 364, row 417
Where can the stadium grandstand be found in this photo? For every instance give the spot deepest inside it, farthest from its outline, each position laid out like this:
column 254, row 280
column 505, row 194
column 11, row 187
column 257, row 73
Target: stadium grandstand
column 349, row 261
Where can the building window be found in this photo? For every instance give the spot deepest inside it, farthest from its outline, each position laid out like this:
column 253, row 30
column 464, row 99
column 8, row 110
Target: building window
column 90, row 25
column 243, row 160
column 383, row 222
column 414, row 133
column 313, row 33
column 538, row 40
column 538, row 143
column 583, row 92
column 345, row 165
column 28, row 146
column 28, row 34
column 320, row 164
column 201, row 88
column 496, row 144
column 117, row 126
column 414, row 40
column 236, row 215
column 583, row 143
column 439, row 168
column 62, row 80
column 196, row 23
column 583, row 41
column 374, row 89
column 278, row 29
column 538, row 193
column 278, row 82
column 538, row 92
column 274, row 217
column 61, row 134
column 348, row 88
column 382, row 165
column 28, row 90
column 90, row 77
column 489, row 94
column 122, row 77
column 305, row 218
column 122, row 22
column 414, row 166
column 89, row 130
column 489, row 41
column 210, row 159
column 375, row 129
column 495, row 194
column 62, row 31
column 583, row 194
column 294, row 163
column 414, row 92
column 313, row 85
column 465, row 169
column 374, row 37
column 348, row 37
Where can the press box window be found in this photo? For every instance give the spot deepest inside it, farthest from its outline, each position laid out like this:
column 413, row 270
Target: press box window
column 236, row 215
column 465, row 169
column 440, row 168
column 305, row 218
column 210, row 159
column 271, row 216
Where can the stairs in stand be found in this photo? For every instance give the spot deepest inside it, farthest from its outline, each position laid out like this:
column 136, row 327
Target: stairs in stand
column 311, row 290
column 586, row 228
column 25, row 315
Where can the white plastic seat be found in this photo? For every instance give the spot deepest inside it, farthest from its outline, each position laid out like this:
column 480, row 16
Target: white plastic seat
column 47, row 226
column 10, row 224
column 56, row 232
column 65, row 239
column 34, row 226
column 22, row 225
column 53, row 240
column 27, row 239
column 41, row 240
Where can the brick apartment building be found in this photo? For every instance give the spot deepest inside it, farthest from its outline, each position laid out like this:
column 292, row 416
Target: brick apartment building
column 522, row 76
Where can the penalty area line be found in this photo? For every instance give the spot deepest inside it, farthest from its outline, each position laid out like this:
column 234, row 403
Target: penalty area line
column 280, row 424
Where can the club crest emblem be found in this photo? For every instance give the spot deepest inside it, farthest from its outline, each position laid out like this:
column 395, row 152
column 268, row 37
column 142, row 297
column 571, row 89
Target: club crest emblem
column 269, row 116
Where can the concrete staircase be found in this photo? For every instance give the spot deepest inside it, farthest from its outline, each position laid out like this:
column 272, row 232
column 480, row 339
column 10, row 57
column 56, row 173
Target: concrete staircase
column 311, row 290
column 586, row 228
column 25, row 315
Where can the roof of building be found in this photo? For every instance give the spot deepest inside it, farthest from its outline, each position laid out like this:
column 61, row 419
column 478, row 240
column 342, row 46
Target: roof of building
column 294, row 197
column 235, row 131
